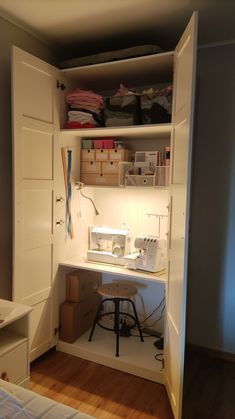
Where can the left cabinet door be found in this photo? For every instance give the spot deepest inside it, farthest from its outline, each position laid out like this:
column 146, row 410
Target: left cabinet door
column 33, row 100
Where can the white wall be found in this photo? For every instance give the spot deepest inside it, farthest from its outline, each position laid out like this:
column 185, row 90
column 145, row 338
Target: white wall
column 10, row 35
column 211, row 285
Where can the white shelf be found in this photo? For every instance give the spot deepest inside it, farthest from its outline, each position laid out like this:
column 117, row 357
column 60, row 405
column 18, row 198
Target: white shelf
column 160, row 131
column 129, row 71
column 112, row 269
column 12, row 312
column 9, row 341
column 136, row 357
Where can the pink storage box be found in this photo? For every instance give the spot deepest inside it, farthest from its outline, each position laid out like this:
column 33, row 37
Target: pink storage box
column 98, row 143
column 108, row 143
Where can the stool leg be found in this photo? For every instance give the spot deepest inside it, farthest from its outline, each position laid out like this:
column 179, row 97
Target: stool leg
column 117, row 323
column 95, row 321
column 137, row 320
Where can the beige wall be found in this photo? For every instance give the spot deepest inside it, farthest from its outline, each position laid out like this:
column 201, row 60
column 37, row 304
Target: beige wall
column 211, row 282
column 10, row 35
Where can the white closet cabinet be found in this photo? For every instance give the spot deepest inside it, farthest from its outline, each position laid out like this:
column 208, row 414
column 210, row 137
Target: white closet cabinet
column 41, row 242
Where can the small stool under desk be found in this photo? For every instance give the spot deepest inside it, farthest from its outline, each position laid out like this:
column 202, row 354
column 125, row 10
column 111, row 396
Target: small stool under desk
column 116, row 293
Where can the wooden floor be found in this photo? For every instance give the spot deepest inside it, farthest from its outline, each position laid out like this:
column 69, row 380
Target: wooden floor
column 100, row 391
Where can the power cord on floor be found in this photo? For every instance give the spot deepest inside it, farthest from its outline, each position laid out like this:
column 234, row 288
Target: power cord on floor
column 160, row 358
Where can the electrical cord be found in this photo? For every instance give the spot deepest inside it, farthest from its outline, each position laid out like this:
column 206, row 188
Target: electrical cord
column 87, row 197
column 160, row 358
column 154, row 311
column 161, row 316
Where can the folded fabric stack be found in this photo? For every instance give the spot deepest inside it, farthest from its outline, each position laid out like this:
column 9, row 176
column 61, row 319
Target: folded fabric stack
column 122, row 108
column 156, row 105
column 85, row 109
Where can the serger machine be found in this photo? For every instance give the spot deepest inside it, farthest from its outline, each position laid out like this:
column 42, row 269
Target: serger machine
column 108, row 245
column 150, row 255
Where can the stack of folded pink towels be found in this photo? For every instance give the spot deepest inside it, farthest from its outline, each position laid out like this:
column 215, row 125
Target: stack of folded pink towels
column 85, row 109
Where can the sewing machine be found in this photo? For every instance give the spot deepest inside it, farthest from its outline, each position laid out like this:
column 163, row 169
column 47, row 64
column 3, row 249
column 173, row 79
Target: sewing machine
column 150, row 255
column 108, row 245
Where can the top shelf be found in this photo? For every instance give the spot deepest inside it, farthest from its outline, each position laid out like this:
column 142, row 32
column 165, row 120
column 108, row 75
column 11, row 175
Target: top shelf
column 131, row 72
column 157, row 131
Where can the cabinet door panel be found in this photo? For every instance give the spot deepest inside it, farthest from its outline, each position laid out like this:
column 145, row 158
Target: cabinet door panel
column 37, row 217
column 184, row 80
column 36, row 93
column 37, row 151
column 34, row 90
column 180, row 152
column 36, row 282
column 40, row 328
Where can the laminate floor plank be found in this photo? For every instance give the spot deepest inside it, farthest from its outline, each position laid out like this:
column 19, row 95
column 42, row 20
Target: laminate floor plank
column 98, row 390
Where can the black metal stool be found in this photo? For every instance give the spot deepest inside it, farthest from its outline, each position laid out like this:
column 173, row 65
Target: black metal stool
column 116, row 292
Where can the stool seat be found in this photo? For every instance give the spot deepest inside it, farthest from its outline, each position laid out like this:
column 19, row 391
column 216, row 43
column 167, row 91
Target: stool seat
column 117, row 290
column 117, row 293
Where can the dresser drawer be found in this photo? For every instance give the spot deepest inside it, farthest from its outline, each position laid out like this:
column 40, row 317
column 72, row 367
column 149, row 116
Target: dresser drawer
column 100, row 180
column 110, row 167
column 88, row 154
column 14, row 363
column 102, row 155
column 91, row 167
column 120, row 154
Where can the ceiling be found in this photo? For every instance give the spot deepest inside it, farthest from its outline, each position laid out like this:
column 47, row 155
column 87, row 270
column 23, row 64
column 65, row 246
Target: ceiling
column 80, row 27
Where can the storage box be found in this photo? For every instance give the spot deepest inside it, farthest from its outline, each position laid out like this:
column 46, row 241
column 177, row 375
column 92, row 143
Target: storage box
column 80, row 284
column 108, row 143
column 91, row 167
column 110, row 167
column 87, row 143
column 98, row 143
column 77, row 318
column 101, row 155
column 88, row 154
column 119, row 154
column 102, row 180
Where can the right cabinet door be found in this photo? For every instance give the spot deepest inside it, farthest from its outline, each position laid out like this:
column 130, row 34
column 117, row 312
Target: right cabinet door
column 184, row 81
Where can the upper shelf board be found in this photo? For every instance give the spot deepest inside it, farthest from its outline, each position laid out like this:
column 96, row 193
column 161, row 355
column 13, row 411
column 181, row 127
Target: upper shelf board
column 156, row 131
column 132, row 72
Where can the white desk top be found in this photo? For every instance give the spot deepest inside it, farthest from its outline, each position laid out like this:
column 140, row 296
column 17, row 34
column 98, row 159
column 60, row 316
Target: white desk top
column 11, row 311
column 114, row 269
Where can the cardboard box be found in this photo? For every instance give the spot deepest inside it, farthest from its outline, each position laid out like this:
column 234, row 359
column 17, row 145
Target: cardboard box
column 81, row 283
column 77, row 318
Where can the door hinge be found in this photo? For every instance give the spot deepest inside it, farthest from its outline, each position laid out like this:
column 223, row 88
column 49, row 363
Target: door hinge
column 60, row 85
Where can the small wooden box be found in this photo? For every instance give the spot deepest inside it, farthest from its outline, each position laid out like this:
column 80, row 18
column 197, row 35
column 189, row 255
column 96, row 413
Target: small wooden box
column 100, row 180
column 88, row 154
column 91, row 167
column 101, row 155
column 110, row 167
column 119, row 154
